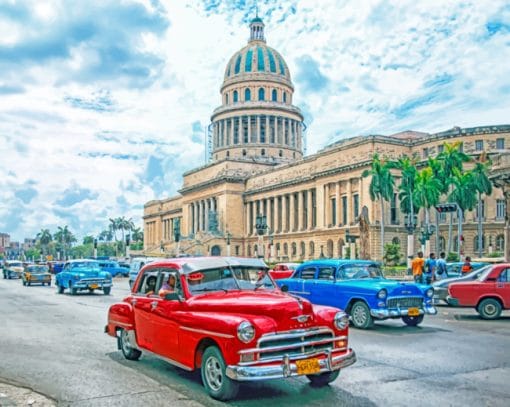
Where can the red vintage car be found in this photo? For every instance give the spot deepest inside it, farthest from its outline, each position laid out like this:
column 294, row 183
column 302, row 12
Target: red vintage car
column 226, row 317
column 489, row 293
column 283, row 270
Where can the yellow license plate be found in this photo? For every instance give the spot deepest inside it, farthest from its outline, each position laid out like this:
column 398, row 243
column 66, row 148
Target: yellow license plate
column 308, row 366
column 413, row 312
column 93, row 286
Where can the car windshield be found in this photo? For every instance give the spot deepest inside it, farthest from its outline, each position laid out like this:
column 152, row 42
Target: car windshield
column 15, row 264
column 225, row 279
column 37, row 269
column 356, row 271
column 86, row 265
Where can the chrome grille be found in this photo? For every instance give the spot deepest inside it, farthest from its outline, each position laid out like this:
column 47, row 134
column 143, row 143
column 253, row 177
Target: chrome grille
column 93, row 280
column 404, row 302
column 295, row 343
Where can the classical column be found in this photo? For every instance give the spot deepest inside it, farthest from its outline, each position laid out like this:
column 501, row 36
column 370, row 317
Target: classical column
column 197, row 216
column 285, row 226
column 292, row 210
column 284, row 128
column 300, row 210
column 349, row 202
column 248, row 118
column 337, row 198
column 258, row 136
column 207, row 206
column 276, row 215
column 310, row 209
column 268, row 130
column 320, row 206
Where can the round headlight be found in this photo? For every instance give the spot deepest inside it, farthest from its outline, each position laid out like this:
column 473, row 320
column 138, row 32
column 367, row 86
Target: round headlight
column 245, row 332
column 430, row 292
column 341, row 320
column 382, row 294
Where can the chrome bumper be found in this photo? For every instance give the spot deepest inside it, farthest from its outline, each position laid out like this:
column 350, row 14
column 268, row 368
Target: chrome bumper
column 401, row 312
column 288, row 368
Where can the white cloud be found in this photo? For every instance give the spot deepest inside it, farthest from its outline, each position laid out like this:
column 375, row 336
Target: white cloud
column 97, row 97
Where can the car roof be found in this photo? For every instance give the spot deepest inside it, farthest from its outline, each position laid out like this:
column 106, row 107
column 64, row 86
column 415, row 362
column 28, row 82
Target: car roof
column 191, row 264
column 337, row 262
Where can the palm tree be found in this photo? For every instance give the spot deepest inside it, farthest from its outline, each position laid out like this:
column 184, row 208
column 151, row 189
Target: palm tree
column 452, row 158
column 106, row 236
column 427, row 192
column 65, row 237
column 438, row 172
column 45, row 238
column 137, row 234
column 381, row 186
column 114, row 226
column 483, row 185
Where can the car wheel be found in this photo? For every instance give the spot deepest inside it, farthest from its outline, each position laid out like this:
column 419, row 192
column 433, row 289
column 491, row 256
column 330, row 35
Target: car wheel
column 323, row 379
column 60, row 289
column 360, row 316
column 29, row 283
column 412, row 321
column 24, row 282
column 128, row 351
column 489, row 308
column 73, row 290
column 214, row 377
column 91, row 291
column 107, row 290
column 49, row 283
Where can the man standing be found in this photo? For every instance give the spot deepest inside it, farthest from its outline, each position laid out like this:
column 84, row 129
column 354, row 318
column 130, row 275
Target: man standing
column 441, row 272
column 430, row 268
column 466, row 267
column 417, row 267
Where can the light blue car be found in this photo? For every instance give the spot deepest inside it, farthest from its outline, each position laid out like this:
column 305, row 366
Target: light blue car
column 78, row 275
column 359, row 288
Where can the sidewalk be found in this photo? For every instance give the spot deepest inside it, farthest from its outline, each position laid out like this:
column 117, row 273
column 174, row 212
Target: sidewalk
column 12, row 395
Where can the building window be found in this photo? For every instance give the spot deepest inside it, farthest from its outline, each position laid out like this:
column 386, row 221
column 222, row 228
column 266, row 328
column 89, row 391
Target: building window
column 355, row 205
column 247, row 64
column 236, row 96
column 262, row 94
column 263, row 152
column 478, row 145
column 244, row 153
column 238, row 64
column 284, row 97
column 285, row 249
column 260, row 59
column 482, row 214
column 500, row 144
column 425, row 152
column 226, row 99
column 247, row 95
column 294, row 249
column 280, row 153
column 274, row 95
column 393, row 210
column 461, row 147
column 475, row 243
column 303, row 249
column 228, row 153
column 500, row 243
column 395, row 240
column 311, row 250
column 440, row 148
column 237, row 250
column 245, row 123
column 333, row 211
column 500, row 209
column 442, row 243
column 442, row 217
column 344, row 210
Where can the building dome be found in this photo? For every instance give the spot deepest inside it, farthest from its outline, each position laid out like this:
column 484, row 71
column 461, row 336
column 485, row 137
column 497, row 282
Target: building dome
column 257, row 120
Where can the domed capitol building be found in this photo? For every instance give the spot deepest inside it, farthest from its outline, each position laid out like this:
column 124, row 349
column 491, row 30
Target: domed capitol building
column 259, row 196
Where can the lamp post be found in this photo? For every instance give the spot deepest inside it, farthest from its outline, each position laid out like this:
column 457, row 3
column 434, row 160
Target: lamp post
column 260, row 226
column 229, row 236
column 177, row 235
column 271, row 250
column 426, row 231
column 410, row 224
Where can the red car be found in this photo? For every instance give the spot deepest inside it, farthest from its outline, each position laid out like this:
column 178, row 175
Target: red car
column 489, row 293
column 226, row 317
column 283, row 270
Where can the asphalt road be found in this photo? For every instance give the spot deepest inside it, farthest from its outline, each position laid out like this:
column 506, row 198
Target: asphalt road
column 55, row 345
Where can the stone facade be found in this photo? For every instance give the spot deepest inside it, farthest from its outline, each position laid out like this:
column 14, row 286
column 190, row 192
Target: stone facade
column 311, row 205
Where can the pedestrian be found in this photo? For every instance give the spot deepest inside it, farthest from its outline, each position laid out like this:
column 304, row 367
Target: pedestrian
column 466, row 267
column 430, row 269
column 441, row 269
column 417, row 267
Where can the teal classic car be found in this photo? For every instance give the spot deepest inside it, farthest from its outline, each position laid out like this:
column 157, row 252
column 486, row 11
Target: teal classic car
column 78, row 275
column 359, row 288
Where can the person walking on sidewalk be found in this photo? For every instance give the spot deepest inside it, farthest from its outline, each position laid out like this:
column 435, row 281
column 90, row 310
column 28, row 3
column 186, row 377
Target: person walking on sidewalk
column 441, row 269
column 417, row 266
column 430, row 269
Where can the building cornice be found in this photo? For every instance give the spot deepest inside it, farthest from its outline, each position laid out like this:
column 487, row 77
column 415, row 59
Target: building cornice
column 257, row 77
column 257, row 105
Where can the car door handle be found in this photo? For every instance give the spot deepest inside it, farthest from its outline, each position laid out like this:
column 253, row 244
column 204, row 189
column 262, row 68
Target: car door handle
column 133, row 301
column 154, row 304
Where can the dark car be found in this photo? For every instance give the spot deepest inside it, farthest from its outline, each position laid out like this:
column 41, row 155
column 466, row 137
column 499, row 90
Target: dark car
column 113, row 268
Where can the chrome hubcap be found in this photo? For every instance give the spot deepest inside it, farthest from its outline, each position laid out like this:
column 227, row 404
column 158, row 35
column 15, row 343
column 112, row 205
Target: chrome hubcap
column 124, row 342
column 213, row 373
column 490, row 309
column 359, row 316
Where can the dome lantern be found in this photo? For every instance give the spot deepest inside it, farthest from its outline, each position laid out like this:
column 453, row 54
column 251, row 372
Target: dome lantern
column 257, row 30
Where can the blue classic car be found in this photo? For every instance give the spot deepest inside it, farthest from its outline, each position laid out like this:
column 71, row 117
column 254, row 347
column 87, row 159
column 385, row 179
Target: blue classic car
column 113, row 268
column 359, row 288
column 83, row 274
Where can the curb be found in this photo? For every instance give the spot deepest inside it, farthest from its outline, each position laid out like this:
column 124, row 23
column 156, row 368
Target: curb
column 14, row 395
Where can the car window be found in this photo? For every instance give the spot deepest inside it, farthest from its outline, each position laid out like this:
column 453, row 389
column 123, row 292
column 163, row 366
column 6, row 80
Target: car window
column 357, row 271
column 504, row 277
column 162, row 281
column 148, row 283
column 308, row 273
column 326, row 273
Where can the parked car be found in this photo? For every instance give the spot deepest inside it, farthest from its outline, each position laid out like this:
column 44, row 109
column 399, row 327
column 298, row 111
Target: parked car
column 283, row 270
column 136, row 265
column 36, row 274
column 489, row 294
column 12, row 269
column 113, row 268
column 56, row 267
column 359, row 288
column 441, row 286
column 227, row 318
column 83, row 274
column 453, row 269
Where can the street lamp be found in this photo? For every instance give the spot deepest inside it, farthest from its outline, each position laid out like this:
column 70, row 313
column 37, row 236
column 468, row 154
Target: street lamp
column 177, row 234
column 410, row 221
column 260, row 226
column 271, row 242
column 426, row 231
column 229, row 236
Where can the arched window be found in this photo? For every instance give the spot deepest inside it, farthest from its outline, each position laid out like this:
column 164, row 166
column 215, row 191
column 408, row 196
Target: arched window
column 238, row 64
column 442, row 243
column 262, row 94
column 236, row 96
column 285, row 249
column 274, row 95
column 284, row 97
column 228, row 154
column 475, row 243
column 311, row 250
column 280, row 153
column 341, row 248
column 294, row 249
column 247, row 94
column 303, row 249
column 455, row 243
column 330, row 248
column 244, row 153
column 395, row 240
column 263, row 152
column 226, row 99
column 500, row 243
column 249, row 251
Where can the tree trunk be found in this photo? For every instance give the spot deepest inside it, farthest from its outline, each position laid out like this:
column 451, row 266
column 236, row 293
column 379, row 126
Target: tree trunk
column 450, row 227
column 382, row 229
column 438, row 248
column 480, row 226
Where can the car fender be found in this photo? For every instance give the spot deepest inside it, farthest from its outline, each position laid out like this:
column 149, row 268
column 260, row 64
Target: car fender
column 493, row 296
column 120, row 315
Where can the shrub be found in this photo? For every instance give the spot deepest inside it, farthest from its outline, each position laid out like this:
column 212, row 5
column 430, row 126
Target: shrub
column 392, row 254
column 452, row 257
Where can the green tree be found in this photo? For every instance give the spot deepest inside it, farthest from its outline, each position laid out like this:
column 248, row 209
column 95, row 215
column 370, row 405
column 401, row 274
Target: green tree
column 137, row 235
column 88, row 240
column 381, row 186
column 483, row 185
column 44, row 237
column 65, row 238
column 392, row 254
column 427, row 191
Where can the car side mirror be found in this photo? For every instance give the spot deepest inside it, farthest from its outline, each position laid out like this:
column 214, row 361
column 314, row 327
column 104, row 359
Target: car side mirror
column 284, row 288
column 172, row 297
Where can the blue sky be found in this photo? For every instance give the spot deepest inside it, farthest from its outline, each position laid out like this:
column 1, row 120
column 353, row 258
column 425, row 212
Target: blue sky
column 103, row 104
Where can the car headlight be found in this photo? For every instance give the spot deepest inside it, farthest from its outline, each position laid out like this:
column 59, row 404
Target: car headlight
column 382, row 294
column 430, row 292
column 245, row 332
column 341, row 320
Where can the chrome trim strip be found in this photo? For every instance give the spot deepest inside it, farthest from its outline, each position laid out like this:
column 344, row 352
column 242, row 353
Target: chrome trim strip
column 295, row 345
column 203, row 331
column 296, row 333
column 303, row 355
column 288, row 368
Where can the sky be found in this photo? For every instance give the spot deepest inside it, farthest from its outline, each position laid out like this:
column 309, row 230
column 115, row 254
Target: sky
column 104, row 103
